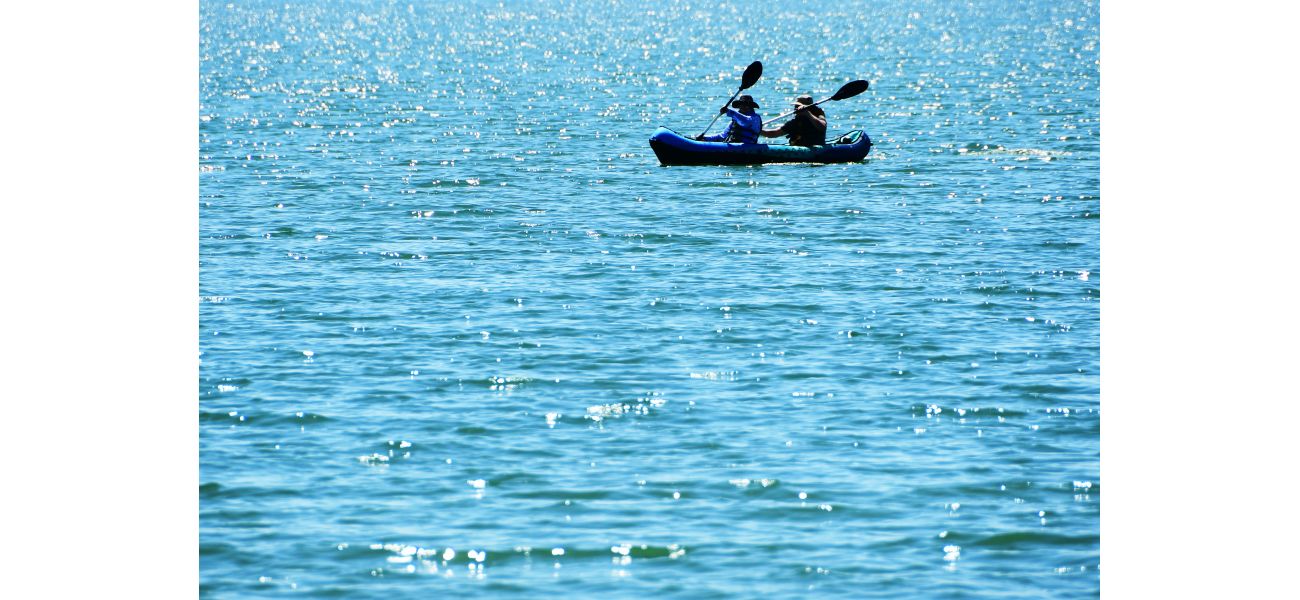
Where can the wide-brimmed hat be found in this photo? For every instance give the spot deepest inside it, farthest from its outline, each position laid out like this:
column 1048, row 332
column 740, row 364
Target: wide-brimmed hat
column 744, row 101
column 805, row 100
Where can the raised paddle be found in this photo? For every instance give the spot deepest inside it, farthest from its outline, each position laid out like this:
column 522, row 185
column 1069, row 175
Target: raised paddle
column 749, row 78
column 849, row 90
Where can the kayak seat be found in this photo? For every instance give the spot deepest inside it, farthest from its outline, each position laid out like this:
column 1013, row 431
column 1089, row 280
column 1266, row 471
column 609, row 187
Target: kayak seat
column 848, row 138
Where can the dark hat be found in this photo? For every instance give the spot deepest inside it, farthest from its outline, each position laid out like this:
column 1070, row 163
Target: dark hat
column 805, row 102
column 744, row 101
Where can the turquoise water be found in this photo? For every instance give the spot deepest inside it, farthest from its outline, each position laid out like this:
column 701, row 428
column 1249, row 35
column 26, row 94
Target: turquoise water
column 462, row 335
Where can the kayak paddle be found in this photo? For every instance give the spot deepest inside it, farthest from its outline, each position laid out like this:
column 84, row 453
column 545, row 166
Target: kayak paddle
column 849, row 90
column 749, row 78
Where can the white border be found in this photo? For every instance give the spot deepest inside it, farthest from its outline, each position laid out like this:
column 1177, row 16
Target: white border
column 1197, row 333
column 101, row 269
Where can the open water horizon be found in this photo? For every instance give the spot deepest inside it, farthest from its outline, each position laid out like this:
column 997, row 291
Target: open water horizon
column 461, row 335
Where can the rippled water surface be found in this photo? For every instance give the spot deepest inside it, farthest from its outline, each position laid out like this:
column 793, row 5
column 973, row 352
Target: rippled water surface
column 462, row 335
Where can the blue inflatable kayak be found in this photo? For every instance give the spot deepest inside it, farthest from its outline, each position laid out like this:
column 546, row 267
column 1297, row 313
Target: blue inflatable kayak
column 673, row 148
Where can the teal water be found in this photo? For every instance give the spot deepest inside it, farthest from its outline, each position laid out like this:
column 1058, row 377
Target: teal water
column 461, row 335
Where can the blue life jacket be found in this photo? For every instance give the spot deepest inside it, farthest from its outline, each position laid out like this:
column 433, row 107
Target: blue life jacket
column 743, row 128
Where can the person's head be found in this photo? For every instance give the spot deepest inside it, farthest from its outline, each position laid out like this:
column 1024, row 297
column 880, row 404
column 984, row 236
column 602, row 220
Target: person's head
column 745, row 104
column 806, row 102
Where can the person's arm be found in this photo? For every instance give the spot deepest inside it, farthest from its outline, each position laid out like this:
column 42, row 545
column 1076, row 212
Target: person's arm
column 817, row 117
column 812, row 117
column 778, row 132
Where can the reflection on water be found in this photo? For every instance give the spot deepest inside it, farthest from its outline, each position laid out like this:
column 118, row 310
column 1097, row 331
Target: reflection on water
column 460, row 331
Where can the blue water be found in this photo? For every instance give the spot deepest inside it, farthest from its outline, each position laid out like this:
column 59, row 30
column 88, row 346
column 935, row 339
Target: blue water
column 461, row 335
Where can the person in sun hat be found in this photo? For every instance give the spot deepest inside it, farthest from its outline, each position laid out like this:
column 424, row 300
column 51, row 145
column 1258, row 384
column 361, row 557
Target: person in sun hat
column 745, row 123
column 807, row 128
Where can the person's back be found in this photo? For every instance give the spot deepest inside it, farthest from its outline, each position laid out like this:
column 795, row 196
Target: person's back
column 808, row 127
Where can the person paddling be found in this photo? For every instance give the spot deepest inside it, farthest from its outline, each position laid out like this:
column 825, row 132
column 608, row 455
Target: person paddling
column 807, row 128
column 745, row 123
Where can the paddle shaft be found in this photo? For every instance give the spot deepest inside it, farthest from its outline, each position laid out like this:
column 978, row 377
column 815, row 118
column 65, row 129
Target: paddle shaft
column 849, row 90
column 795, row 111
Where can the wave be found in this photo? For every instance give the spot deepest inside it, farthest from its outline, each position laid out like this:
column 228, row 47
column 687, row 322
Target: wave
column 1021, row 539
column 433, row 555
column 235, row 417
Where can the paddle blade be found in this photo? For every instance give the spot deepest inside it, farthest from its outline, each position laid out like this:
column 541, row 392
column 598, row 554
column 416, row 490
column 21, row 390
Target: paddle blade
column 752, row 73
column 851, row 89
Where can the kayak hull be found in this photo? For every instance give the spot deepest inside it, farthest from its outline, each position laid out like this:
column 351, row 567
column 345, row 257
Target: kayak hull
column 674, row 149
